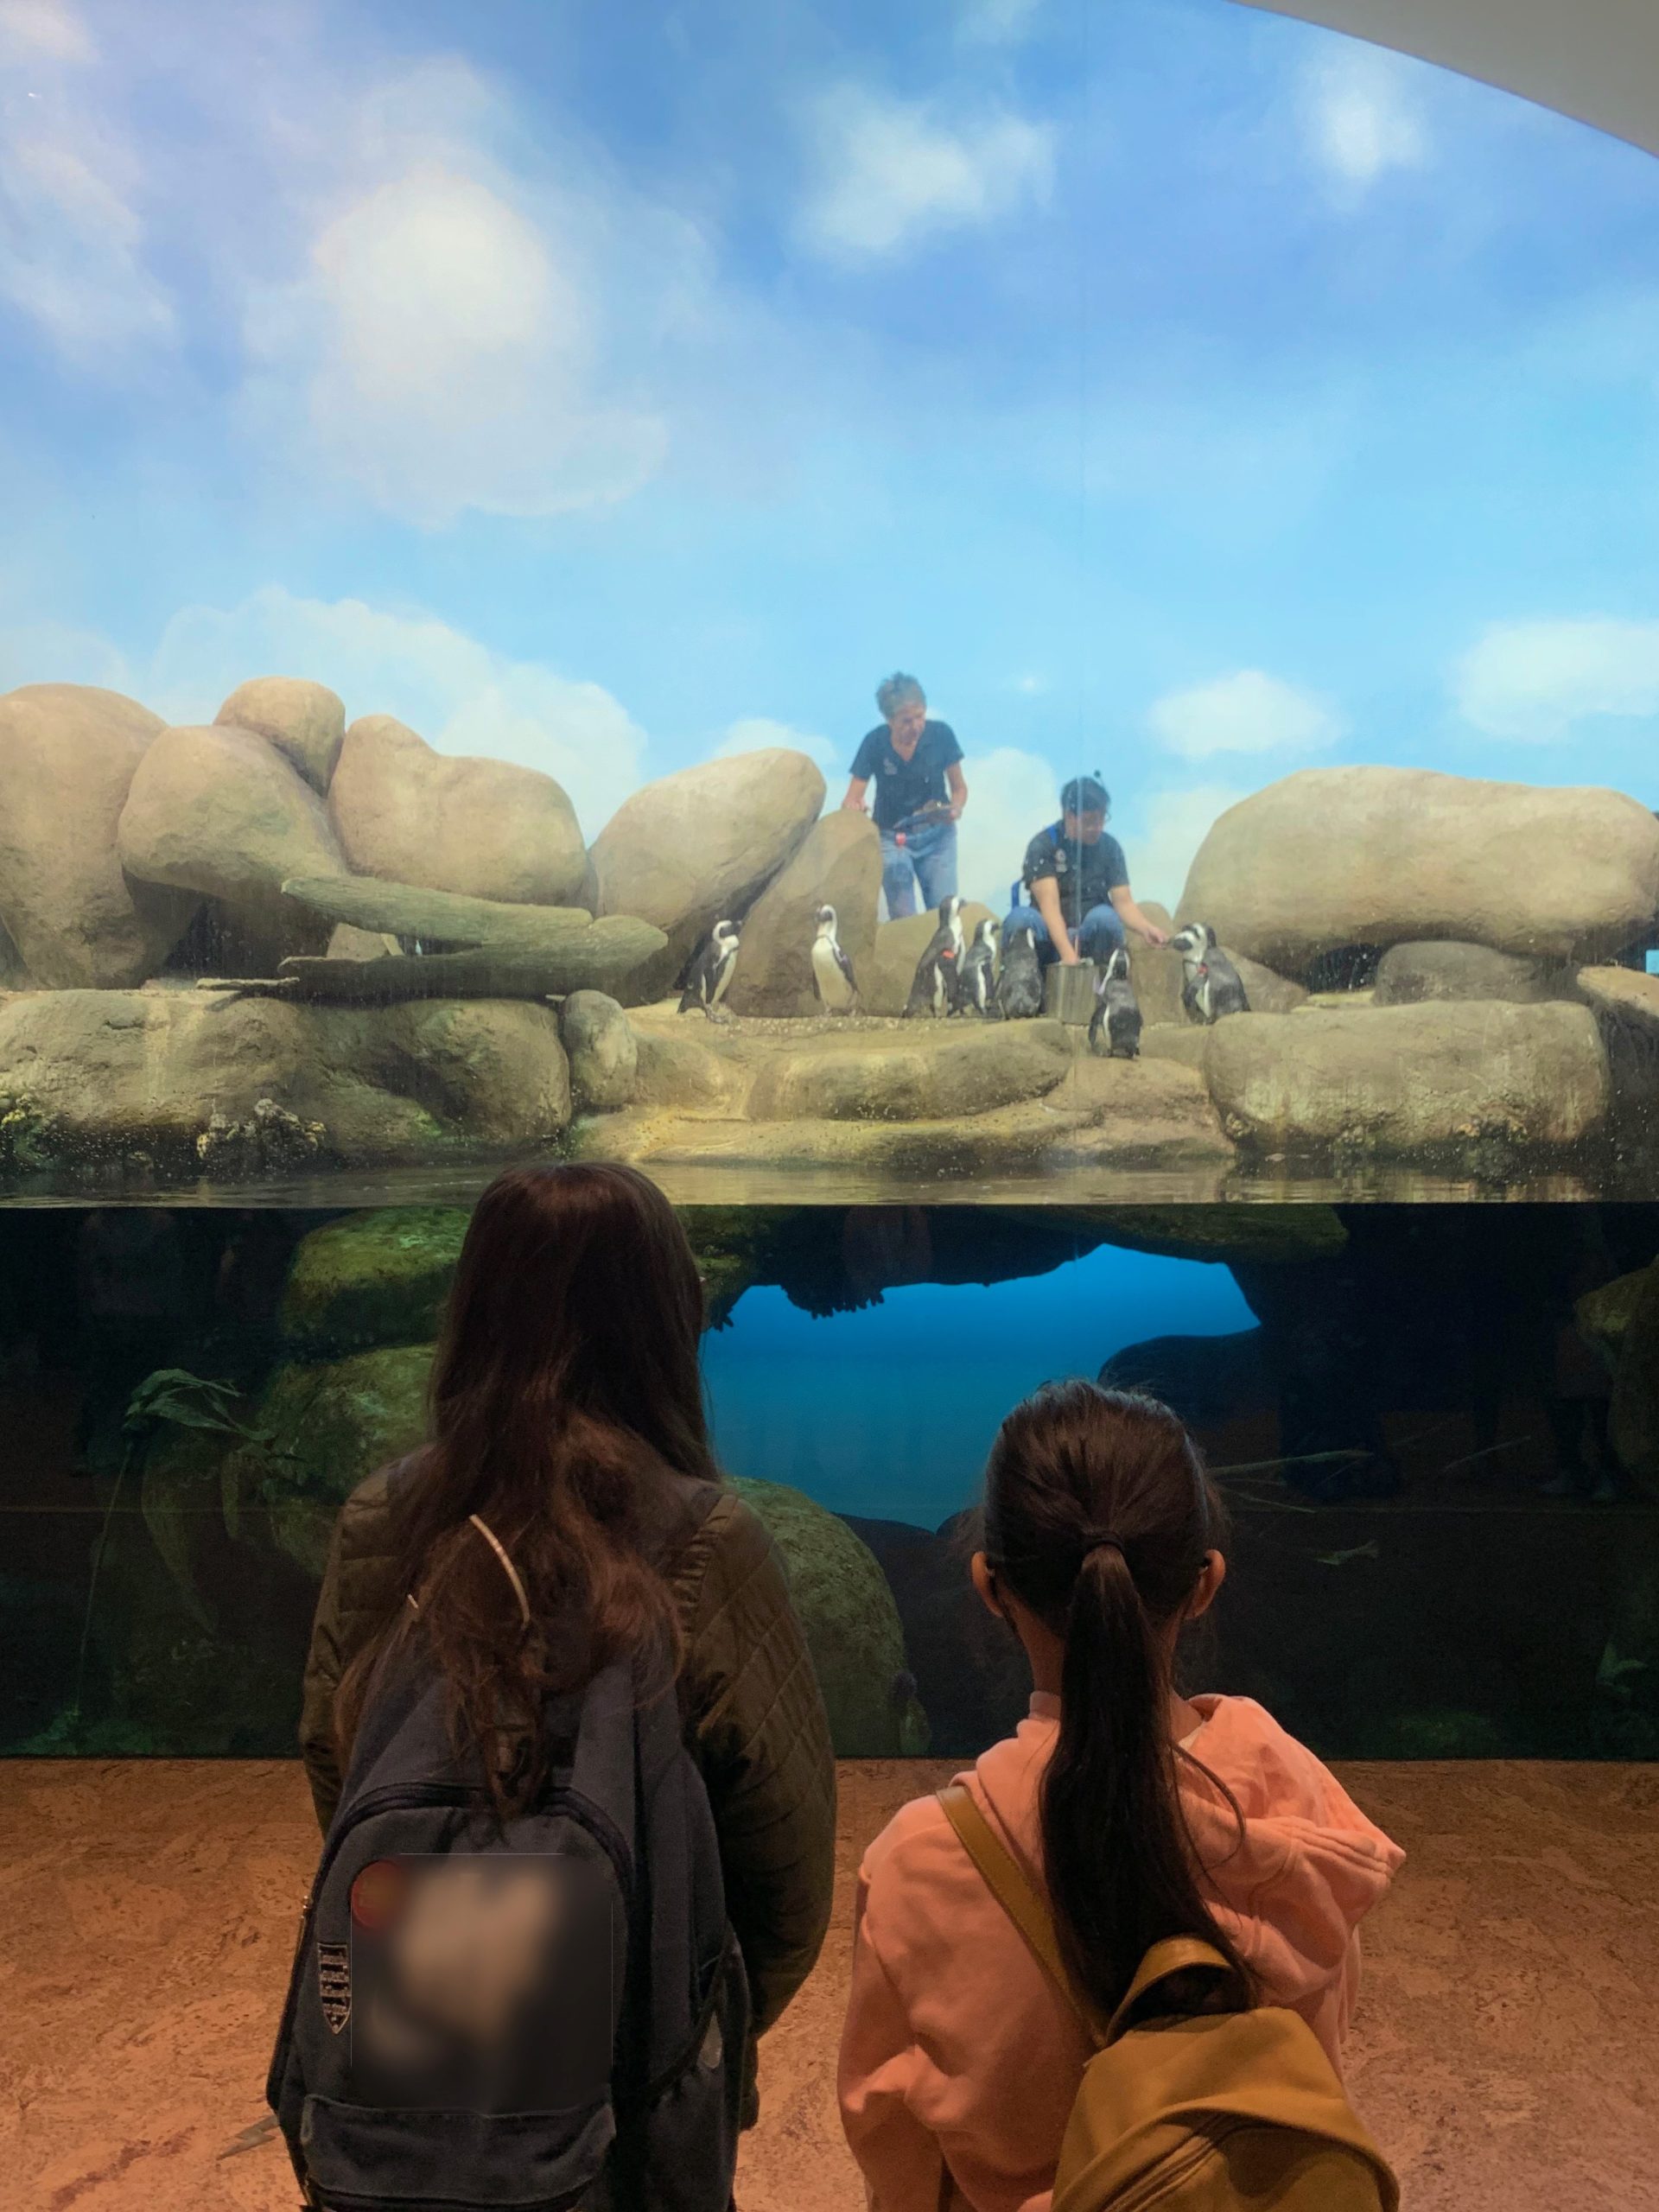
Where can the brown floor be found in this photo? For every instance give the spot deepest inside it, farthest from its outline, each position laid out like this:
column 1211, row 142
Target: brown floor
column 1506, row 2051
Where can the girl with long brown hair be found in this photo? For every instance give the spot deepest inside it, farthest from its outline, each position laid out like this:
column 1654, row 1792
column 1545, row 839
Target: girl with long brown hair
column 1141, row 1812
column 567, row 1508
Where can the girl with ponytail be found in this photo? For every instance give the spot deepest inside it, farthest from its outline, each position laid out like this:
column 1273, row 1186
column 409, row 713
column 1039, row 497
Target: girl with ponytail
column 1142, row 1813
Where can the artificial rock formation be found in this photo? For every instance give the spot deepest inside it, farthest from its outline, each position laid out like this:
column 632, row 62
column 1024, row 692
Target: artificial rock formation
column 700, row 845
column 1409, row 974
column 305, row 721
column 483, row 828
column 68, row 754
column 892, row 1078
column 839, row 865
column 602, row 1049
column 898, row 946
column 374, row 1278
column 1331, row 857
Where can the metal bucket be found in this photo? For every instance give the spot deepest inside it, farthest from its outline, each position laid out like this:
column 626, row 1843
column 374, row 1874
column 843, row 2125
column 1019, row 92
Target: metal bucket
column 1068, row 993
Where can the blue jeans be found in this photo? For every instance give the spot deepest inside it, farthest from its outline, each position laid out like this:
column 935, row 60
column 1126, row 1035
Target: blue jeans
column 1096, row 937
column 927, row 858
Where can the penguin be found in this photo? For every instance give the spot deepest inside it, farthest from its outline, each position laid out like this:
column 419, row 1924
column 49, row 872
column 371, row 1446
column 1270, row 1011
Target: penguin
column 938, row 986
column 1019, row 985
column 832, row 971
column 1210, row 985
column 711, row 971
column 1115, row 1025
column 979, row 969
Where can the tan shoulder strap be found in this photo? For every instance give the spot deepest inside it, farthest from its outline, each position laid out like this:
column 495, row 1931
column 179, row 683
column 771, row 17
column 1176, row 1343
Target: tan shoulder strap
column 1008, row 1884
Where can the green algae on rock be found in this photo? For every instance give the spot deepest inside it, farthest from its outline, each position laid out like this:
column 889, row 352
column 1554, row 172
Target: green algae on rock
column 377, row 1278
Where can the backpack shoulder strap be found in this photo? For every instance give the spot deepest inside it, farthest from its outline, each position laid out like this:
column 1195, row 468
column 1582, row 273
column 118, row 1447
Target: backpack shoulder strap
column 1007, row 1882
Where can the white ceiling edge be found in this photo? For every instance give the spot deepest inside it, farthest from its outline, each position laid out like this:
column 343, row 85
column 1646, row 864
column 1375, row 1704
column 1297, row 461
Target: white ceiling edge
column 1597, row 60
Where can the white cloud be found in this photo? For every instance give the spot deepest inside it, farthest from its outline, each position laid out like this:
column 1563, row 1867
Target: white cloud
column 996, row 22
column 1533, row 681
column 461, row 696
column 1248, row 712
column 759, row 733
column 1011, row 794
column 48, row 30
column 891, row 172
column 1169, row 828
column 1362, row 115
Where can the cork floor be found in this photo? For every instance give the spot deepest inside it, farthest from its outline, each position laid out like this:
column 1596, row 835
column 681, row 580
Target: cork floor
column 1506, row 2051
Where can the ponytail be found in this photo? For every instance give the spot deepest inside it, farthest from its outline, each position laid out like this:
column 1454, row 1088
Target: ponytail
column 1098, row 1516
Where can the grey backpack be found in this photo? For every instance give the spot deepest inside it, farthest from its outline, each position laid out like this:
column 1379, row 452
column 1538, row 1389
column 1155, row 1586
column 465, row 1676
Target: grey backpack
column 552, row 2015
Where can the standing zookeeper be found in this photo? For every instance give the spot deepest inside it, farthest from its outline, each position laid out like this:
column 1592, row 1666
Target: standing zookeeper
column 915, row 767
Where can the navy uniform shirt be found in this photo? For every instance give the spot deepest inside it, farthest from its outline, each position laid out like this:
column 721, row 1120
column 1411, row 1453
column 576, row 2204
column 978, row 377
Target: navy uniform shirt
column 902, row 786
column 1087, row 875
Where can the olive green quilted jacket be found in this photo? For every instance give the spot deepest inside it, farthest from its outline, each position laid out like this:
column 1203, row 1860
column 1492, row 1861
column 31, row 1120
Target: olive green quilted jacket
column 755, row 1718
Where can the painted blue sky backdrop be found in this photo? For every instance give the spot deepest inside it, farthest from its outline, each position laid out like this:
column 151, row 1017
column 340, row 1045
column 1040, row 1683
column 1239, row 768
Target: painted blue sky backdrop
column 1178, row 391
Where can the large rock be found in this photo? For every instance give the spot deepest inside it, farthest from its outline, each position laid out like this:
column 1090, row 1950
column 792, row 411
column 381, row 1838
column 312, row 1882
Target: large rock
column 851, row 1622
column 305, row 721
column 839, row 865
column 481, row 827
column 603, row 1051
column 1625, row 1003
column 898, row 946
column 1420, row 1079
column 68, row 757
column 1603, row 1315
column 193, row 1081
column 1267, row 992
column 221, row 812
column 1155, row 972
column 1336, row 856
column 695, row 847
column 889, row 1079
column 1408, row 975
column 377, row 1278
column 336, row 1423
column 1633, row 1416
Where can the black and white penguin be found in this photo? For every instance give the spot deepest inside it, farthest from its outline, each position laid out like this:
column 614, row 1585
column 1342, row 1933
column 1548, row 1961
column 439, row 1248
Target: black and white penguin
column 1115, row 1025
column 938, row 985
column 979, row 969
column 1210, row 984
column 711, row 971
column 832, row 971
column 1020, row 984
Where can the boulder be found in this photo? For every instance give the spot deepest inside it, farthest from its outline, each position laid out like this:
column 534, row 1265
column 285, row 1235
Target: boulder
column 851, row 1623
column 377, row 1278
column 1155, row 972
column 1230, row 1234
column 1409, row 974
column 306, row 723
column 220, row 811
column 1622, row 996
column 1411, row 1080
column 1207, row 1380
column 1267, row 992
column 1633, row 1415
column 484, row 828
column 602, row 1050
column 876, row 1079
column 191, row 1080
column 68, row 756
column 1603, row 1316
column 898, row 946
column 336, row 1423
column 1330, row 857
column 1185, row 1044
column 347, row 942
column 691, row 848
column 1625, row 1004
column 839, row 865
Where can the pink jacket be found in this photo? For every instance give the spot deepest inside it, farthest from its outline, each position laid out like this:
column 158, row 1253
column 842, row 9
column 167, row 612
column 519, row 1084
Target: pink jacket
column 957, row 2047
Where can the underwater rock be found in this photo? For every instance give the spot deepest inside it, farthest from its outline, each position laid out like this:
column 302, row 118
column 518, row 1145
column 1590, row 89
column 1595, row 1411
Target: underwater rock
column 1267, row 992
column 1207, row 1380
column 1367, row 856
column 1411, row 1080
column 378, row 1278
column 839, row 865
column 485, row 829
column 106, row 1077
column 339, row 1422
column 898, row 946
column 850, row 1617
column 1156, row 973
column 1224, row 1233
column 692, row 847
column 221, row 812
column 68, row 754
column 347, row 942
column 879, row 1078
column 1409, row 974
column 1633, row 1416
column 603, row 1054
column 305, row 721
column 1603, row 1316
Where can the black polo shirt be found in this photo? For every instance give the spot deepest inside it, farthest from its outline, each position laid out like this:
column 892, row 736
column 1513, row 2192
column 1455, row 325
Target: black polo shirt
column 1087, row 875
column 901, row 786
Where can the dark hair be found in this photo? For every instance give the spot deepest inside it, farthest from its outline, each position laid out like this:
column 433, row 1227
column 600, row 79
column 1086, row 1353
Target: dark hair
column 895, row 691
column 1086, row 795
column 566, row 1385
column 1098, row 1514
